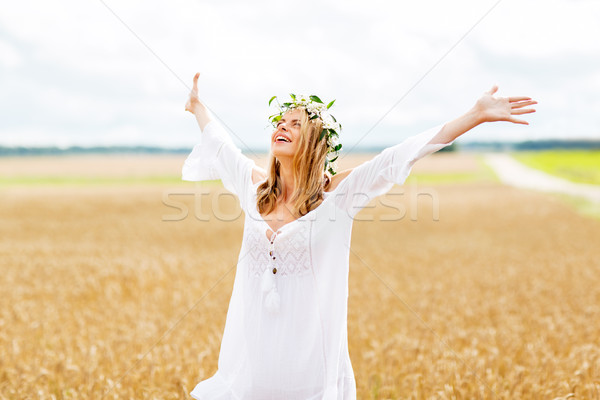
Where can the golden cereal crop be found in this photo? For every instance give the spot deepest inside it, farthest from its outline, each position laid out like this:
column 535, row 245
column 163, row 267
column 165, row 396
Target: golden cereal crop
column 499, row 298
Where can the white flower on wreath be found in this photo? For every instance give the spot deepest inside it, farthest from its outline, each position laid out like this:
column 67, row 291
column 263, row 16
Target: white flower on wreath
column 303, row 99
column 333, row 141
column 328, row 121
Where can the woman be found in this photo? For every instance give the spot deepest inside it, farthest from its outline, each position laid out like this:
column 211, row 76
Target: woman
column 286, row 329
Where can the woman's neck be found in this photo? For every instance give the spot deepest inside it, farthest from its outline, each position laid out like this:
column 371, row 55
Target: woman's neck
column 287, row 178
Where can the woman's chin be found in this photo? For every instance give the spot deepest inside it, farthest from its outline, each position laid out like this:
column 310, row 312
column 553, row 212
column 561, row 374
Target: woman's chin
column 280, row 152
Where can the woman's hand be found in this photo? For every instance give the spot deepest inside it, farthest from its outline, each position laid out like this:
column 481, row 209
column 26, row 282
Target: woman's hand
column 487, row 109
column 195, row 106
column 490, row 108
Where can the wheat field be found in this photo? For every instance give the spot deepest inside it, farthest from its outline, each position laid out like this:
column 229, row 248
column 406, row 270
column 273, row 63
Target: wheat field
column 472, row 291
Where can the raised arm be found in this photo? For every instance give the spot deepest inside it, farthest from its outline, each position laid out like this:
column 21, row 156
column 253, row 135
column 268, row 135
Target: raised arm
column 203, row 117
column 196, row 107
column 356, row 187
column 487, row 109
column 216, row 156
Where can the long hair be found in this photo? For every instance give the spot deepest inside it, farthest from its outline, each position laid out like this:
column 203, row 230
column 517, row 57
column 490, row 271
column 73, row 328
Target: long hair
column 308, row 163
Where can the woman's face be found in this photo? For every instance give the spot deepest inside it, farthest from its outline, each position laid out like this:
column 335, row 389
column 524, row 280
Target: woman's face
column 285, row 137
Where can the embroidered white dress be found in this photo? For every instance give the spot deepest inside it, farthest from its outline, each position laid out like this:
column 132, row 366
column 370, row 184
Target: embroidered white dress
column 285, row 334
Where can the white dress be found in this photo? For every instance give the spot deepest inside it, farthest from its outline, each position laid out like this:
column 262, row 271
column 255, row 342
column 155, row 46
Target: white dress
column 285, row 333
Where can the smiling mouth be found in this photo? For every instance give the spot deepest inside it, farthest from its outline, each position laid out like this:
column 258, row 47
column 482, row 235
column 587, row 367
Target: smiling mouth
column 282, row 139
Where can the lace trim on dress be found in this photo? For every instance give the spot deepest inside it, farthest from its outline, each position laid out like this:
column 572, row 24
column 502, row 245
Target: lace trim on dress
column 289, row 250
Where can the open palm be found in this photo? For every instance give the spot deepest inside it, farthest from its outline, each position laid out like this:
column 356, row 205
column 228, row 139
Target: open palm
column 504, row 108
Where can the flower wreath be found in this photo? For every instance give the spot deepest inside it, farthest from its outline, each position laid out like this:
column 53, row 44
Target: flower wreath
column 316, row 109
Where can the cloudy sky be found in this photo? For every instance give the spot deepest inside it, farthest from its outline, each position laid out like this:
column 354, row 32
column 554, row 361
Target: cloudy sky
column 102, row 72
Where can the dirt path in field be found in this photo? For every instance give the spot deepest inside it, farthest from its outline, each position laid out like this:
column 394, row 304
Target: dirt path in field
column 514, row 173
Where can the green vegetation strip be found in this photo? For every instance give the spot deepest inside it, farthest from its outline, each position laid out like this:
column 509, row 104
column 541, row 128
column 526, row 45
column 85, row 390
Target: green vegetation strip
column 434, row 178
column 577, row 166
column 483, row 173
column 83, row 181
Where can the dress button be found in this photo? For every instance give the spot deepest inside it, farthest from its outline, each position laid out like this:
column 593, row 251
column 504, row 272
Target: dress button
column 273, row 257
column 274, row 270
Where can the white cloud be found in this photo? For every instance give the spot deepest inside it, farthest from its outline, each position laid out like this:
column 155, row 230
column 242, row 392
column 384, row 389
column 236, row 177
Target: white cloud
column 10, row 57
column 72, row 71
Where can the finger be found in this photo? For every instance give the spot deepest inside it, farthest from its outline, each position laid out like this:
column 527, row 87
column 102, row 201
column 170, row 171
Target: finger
column 518, row 121
column 519, row 98
column 523, row 104
column 195, row 87
column 522, row 111
column 493, row 90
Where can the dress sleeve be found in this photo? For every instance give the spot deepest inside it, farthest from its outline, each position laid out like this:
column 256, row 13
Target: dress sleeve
column 217, row 157
column 378, row 175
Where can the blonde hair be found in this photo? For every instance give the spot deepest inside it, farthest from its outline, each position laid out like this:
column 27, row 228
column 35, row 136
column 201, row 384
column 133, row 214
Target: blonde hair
column 309, row 178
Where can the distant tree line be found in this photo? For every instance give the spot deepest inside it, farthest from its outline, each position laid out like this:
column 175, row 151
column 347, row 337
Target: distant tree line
column 530, row 145
column 559, row 144
column 533, row 145
column 51, row 150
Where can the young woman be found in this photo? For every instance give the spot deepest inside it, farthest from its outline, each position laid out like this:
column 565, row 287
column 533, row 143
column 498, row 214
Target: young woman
column 286, row 329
